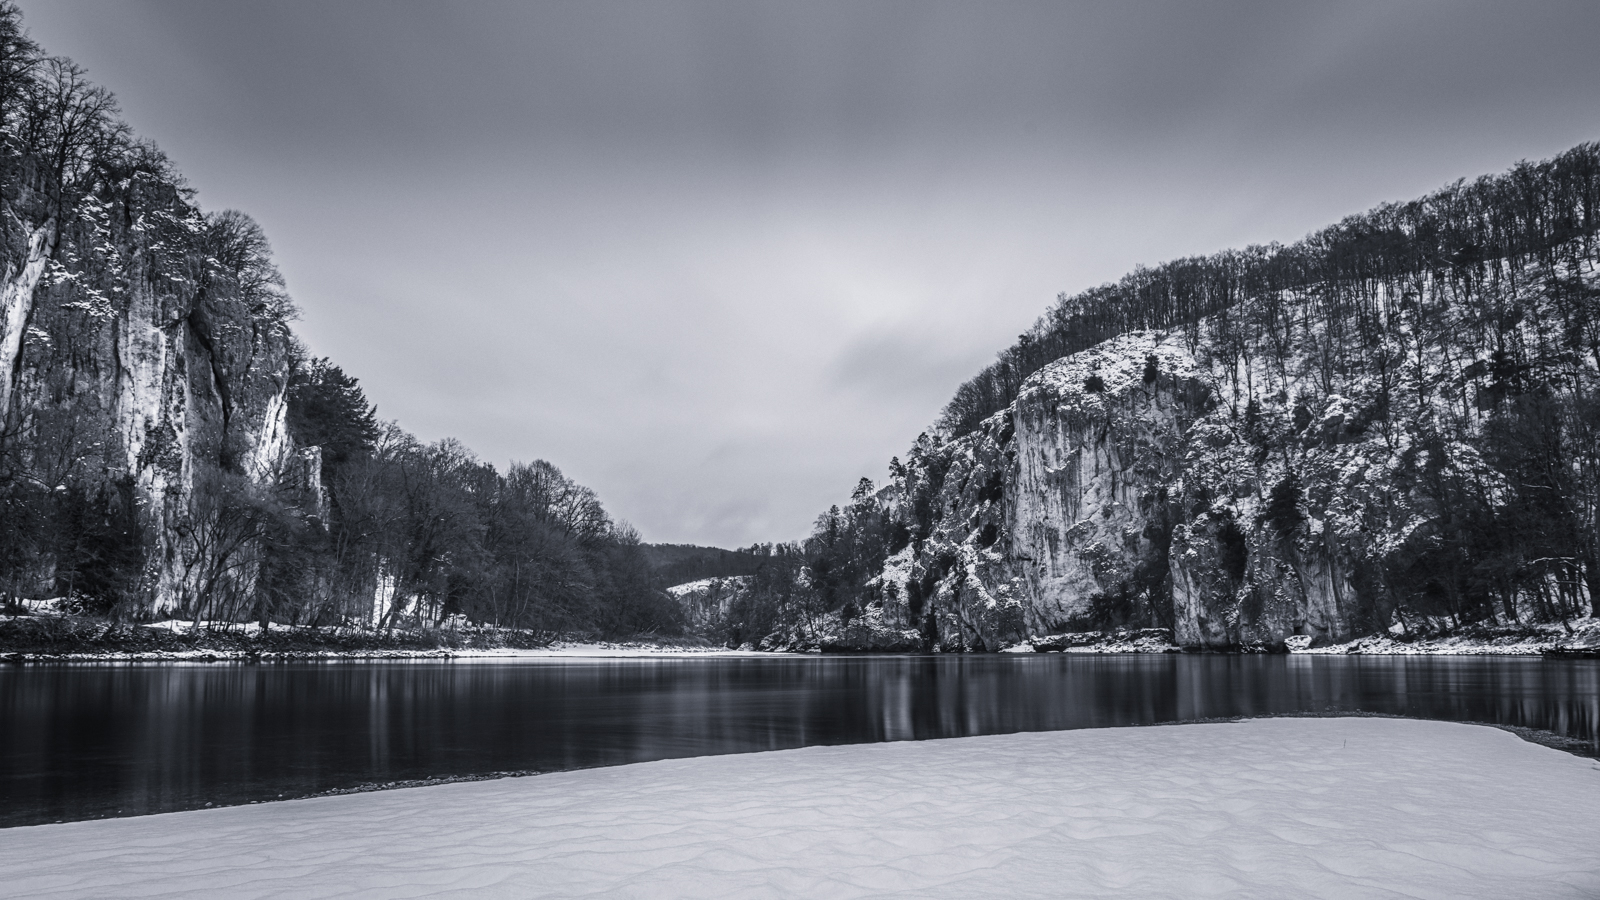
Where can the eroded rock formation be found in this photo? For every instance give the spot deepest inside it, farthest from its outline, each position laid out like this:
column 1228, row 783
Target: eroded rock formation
column 1226, row 481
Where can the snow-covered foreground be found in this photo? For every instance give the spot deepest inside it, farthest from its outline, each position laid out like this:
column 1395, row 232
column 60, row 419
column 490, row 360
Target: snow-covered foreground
column 1268, row 808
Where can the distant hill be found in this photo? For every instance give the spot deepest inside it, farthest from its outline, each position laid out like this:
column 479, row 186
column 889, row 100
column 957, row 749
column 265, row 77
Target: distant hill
column 672, row 564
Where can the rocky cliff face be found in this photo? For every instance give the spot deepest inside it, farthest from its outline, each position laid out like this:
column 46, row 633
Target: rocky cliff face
column 709, row 600
column 144, row 357
column 149, row 357
column 1240, row 481
column 1056, row 509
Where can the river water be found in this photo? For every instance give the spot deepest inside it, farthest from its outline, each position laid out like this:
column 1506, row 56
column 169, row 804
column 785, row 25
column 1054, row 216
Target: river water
column 82, row 741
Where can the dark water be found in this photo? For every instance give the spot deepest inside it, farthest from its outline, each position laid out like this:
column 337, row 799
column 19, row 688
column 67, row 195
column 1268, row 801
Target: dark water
column 87, row 741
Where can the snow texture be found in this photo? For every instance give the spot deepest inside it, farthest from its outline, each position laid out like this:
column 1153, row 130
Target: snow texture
column 691, row 587
column 1269, row 808
column 707, row 602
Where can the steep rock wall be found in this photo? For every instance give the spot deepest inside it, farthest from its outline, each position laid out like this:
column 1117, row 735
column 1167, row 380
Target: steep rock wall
column 1055, row 514
column 141, row 360
column 1240, row 482
column 1100, row 437
column 707, row 601
column 1113, row 492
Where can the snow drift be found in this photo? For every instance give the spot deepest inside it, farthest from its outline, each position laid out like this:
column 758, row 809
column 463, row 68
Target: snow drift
column 1269, row 808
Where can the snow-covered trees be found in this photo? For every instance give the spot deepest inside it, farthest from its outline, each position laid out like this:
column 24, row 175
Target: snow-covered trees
column 1394, row 417
column 1476, row 235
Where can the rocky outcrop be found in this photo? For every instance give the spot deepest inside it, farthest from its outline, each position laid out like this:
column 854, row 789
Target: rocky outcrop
column 152, row 358
column 1238, row 485
column 707, row 601
column 144, row 360
column 1056, row 515
column 1099, row 440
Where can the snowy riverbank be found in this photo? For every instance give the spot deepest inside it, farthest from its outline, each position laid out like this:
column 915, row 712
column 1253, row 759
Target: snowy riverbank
column 1265, row 808
column 1579, row 637
column 558, row 649
column 44, row 634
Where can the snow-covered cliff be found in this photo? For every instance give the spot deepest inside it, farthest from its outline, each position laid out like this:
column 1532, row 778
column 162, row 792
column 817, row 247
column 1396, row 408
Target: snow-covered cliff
column 708, row 600
column 1247, row 479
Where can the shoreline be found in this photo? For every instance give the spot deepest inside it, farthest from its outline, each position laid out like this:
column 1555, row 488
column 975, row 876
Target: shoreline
column 606, row 650
column 636, row 650
column 37, row 639
column 1550, row 740
column 57, row 639
column 559, row 650
column 1578, row 639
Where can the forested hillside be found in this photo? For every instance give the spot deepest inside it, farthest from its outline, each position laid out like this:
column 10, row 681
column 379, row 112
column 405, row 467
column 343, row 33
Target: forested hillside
column 679, row 563
column 1391, row 424
column 169, row 448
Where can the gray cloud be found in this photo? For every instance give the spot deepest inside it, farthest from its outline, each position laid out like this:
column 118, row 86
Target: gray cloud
column 719, row 260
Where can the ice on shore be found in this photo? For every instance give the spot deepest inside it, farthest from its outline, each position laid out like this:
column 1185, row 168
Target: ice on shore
column 1269, row 808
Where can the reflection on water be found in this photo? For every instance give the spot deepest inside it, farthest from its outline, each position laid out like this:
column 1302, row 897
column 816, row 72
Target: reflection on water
column 85, row 741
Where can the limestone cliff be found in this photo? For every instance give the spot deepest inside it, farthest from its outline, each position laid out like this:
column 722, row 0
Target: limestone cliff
column 1238, row 481
column 708, row 601
column 146, row 354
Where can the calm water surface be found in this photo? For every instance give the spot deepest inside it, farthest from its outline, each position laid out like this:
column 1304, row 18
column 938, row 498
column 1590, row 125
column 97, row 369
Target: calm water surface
column 88, row 741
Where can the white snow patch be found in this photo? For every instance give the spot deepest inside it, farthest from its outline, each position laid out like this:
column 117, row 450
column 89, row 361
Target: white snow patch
column 704, row 584
column 1263, row 809
column 1119, row 362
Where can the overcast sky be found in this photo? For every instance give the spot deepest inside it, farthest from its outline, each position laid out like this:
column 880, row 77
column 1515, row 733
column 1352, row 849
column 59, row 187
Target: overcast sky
column 720, row 260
